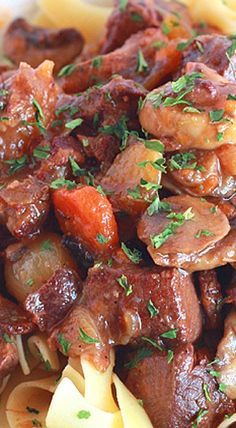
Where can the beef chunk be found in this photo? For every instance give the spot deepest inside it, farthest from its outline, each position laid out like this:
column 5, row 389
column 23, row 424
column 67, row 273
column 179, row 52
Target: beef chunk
column 211, row 297
column 25, row 42
column 173, row 394
column 138, row 59
column 108, row 113
column 211, row 50
column 139, row 15
column 13, row 319
column 8, row 357
column 20, row 97
column 53, row 300
column 115, row 308
column 24, row 206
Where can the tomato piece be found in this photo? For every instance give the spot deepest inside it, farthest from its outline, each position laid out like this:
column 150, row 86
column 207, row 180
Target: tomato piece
column 87, row 214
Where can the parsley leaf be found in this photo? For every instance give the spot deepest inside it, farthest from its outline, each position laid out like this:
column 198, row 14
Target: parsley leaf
column 85, row 338
column 67, row 70
column 74, row 123
column 171, row 334
column 65, row 345
column 61, row 182
column 42, row 152
column 142, row 65
column 201, row 414
column 124, row 283
column 32, row 410
column 216, row 115
column 170, row 356
column 153, row 311
column 46, row 245
column 123, row 5
column 7, row 338
column 97, row 61
column 203, row 232
column 17, row 164
column 141, row 354
column 152, row 342
column 101, row 238
column 155, row 145
column 206, row 392
column 134, row 255
column 83, row 414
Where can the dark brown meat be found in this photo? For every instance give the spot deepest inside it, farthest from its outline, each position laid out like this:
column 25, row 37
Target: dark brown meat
column 174, row 239
column 57, row 165
column 138, row 59
column 108, row 112
column 22, row 122
column 8, row 357
column 173, row 393
column 24, row 206
column 53, row 300
column 114, row 309
column 25, row 42
column 139, row 15
column 13, row 319
column 211, row 50
column 211, row 298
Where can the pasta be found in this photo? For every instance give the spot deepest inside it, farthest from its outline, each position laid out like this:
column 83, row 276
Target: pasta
column 48, row 390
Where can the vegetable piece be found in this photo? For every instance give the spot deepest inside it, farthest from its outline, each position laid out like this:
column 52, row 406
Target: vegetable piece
column 133, row 190
column 87, row 214
column 28, row 266
column 171, row 236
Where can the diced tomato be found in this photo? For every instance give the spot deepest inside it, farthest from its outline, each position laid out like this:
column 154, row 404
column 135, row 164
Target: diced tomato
column 87, row 214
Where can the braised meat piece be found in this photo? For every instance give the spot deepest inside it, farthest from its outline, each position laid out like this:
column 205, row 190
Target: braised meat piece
column 28, row 102
column 8, row 357
column 24, row 206
column 108, row 113
column 142, row 14
column 25, row 42
column 185, row 228
column 212, row 50
column 138, row 59
column 53, row 300
column 122, row 305
column 211, row 298
column 175, row 394
column 13, row 319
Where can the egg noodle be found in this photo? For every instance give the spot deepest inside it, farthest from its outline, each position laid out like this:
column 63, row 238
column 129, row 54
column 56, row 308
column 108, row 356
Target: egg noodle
column 83, row 397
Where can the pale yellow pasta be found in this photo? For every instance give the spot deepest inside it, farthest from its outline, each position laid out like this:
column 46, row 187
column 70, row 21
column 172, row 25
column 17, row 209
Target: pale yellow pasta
column 87, row 17
column 27, row 396
column 132, row 412
column 101, row 396
column 218, row 13
column 228, row 422
column 22, row 357
column 38, row 347
column 69, row 413
column 75, row 377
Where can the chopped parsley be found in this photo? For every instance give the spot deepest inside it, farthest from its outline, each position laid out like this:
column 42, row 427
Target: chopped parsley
column 159, row 44
column 170, row 356
column 231, row 49
column 158, row 164
column 7, row 338
column 135, row 193
column 171, row 334
column 231, row 97
column 101, row 238
column 222, row 387
column 191, row 110
column 47, row 245
column 97, row 61
column 65, row 345
column 74, row 123
column 61, row 182
column 203, row 232
column 124, row 283
column 134, row 255
column 119, row 130
column 39, row 110
column 183, row 45
column 165, row 28
column 76, row 170
column 180, row 218
column 42, row 152
column 141, row 354
column 39, row 117
column 83, row 414
column 153, row 311
column 32, row 410
column 148, row 185
column 206, row 391
column 152, row 342
column 219, row 136
column 136, row 17
column 157, row 205
column 142, row 65
column 85, row 338
column 216, row 115
column 184, row 161
column 123, row 5
column 29, row 282
column 200, row 415
column 17, row 164
column 67, row 70
column 155, row 145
